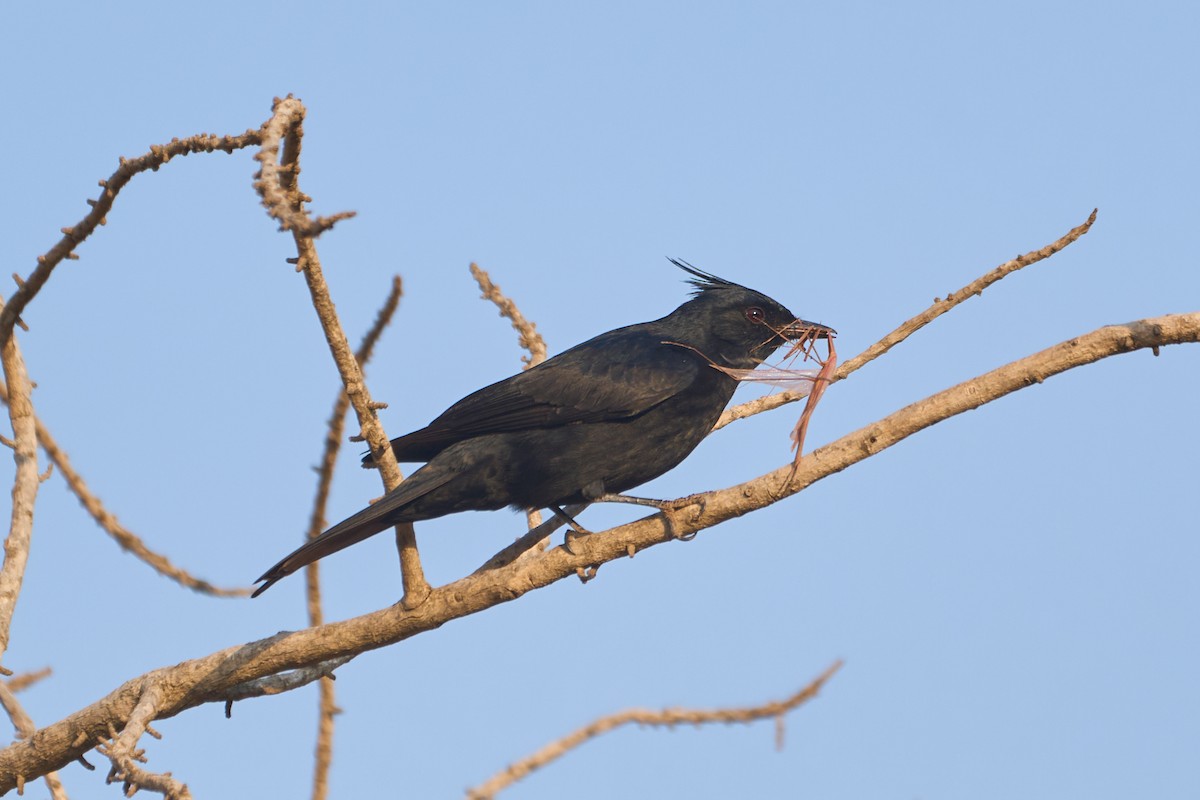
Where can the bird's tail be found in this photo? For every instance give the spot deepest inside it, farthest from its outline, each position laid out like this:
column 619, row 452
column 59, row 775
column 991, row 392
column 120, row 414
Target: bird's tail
column 366, row 523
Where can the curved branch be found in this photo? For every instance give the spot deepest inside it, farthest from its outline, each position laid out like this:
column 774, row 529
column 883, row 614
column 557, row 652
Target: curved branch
column 74, row 236
column 908, row 328
column 213, row 677
column 278, row 184
column 664, row 718
column 125, row 538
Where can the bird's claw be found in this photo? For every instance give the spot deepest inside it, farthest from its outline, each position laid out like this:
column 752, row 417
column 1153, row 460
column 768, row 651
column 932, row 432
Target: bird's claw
column 574, row 532
column 668, row 507
column 701, row 501
column 572, row 535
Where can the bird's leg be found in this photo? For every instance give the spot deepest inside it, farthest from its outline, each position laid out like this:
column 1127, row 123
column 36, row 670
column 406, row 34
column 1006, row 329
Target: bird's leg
column 577, row 531
column 661, row 505
column 666, row 506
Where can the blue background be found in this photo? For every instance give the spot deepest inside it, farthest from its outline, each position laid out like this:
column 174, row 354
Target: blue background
column 1014, row 591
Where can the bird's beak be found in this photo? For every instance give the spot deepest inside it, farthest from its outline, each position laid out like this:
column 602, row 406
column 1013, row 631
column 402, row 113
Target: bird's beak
column 802, row 329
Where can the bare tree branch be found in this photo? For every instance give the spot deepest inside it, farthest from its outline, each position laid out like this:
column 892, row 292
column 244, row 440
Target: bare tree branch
column 277, row 182
column 75, row 235
column 335, row 432
column 528, row 544
column 664, row 718
column 123, row 751
column 20, row 683
column 527, row 336
column 25, row 484
column 24, row 727
column 527, row 333
column 279, row 187
column 211, row 678
column 108, row 522
column 908, row 328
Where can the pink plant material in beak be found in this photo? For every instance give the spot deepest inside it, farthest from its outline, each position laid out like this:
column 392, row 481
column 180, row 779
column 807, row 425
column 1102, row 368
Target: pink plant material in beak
column 823, row 379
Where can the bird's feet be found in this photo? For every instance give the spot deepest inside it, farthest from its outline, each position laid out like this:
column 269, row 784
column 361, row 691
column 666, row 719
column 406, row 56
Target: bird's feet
column 668, row 507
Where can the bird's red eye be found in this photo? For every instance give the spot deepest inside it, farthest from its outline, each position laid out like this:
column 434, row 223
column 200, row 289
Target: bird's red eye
column 755, row 314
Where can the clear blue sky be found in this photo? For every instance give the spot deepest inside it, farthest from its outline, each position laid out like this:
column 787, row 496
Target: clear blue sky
column 1014, row 591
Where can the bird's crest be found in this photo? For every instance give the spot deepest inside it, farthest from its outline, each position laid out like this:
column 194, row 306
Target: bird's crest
column 701, row 280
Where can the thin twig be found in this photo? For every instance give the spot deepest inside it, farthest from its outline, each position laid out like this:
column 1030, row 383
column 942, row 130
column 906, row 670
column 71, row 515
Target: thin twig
column 210, row 678
column 527, row 333
column 279, row 187
column 25, row 729
column 19, row 683
column 664, row 718
column 527, row 336
column 76, row 234
column 73, row 236
column 529, row 542
column 25, row 484
column 335, row 433
column 126, row 539
column 940, row 306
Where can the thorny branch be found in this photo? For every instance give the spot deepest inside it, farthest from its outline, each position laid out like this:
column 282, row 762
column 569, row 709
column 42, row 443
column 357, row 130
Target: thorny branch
column 527, row 336
column 335, row 433
column 278, row 185
column 527, row 332
column 667, row 717
column 25, row 728
column 127, row 540
column 28, row 288
column 940, row 306
column 122, row 750
column 76, row 234
column 211, row 678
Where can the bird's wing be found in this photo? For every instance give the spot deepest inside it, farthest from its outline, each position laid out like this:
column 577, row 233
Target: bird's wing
column 615, row 376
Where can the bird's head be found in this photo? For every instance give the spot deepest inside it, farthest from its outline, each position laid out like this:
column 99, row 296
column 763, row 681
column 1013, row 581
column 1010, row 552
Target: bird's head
column 735, row 326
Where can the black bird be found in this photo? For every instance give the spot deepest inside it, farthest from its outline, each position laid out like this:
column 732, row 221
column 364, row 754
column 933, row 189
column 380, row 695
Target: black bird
column 599, row 419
